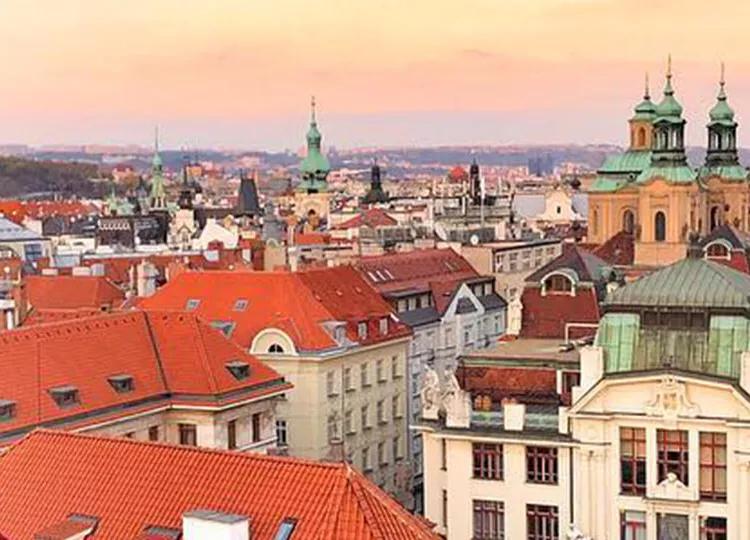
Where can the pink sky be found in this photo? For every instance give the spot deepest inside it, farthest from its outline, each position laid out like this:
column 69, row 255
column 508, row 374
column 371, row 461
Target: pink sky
column 240, row 72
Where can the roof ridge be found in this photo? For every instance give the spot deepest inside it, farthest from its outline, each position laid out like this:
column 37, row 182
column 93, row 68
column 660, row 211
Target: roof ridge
column 37, row 328
column 248, row 456
column 203, row 353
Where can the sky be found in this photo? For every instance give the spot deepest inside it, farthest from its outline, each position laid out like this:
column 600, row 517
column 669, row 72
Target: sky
column 240, row 73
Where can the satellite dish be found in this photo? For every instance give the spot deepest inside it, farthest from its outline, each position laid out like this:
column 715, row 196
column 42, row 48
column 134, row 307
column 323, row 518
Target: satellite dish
column 474, row 240
column 441, row 232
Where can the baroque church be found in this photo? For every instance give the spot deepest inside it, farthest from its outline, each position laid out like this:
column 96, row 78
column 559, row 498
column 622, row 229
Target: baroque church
column 652, row 192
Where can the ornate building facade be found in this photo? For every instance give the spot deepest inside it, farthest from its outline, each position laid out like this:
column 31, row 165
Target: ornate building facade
column 651, row 191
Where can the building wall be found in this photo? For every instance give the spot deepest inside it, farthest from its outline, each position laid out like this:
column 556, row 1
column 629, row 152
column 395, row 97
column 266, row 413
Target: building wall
column 311, row 404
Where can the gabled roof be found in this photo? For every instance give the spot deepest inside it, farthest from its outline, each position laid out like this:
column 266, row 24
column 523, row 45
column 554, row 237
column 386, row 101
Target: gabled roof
column 171, row 357
column 372, row 217
column 72, row 292
column 737, row 239
column 587, row 266
column 298, row 303
column 131, row 485
column 12, row 232
column 689, row 283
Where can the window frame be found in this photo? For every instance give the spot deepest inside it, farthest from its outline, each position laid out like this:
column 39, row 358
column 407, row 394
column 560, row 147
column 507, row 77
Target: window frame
column 665, row 464
column 545, row 469
column 708, row 439
column 188, row 434
column 490, row 516
column 637, row 437
column 487, row 461
column 546, row 517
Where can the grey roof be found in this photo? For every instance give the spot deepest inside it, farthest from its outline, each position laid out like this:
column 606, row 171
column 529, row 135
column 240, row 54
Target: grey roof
column 247, row 198
column 492, row 302
column 692, row 282
column 419, row 317
column 10, row 231
column 465, row 305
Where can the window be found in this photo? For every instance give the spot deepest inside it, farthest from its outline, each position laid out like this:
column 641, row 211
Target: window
column 383, row 324
column 380, row 371
column 232, row 434
column 331, row 383
column 632, row 461
column 569, row 380
column 348, row 423
column 281, row 433
column 240, row 370
column 153, row 433
column 188, row 434
column 717, row 251
column 130, row 435
column 348, row 379
column 255, row 423
column 395, row 372
column 542, row 522
column 275, row 348
column 660, row 227
column 488, row 461
column 628, row 221
column 396, row 448
column 395, row 407
column 364, row 375
column 489, row 520
column 713, row 466
column 714, row 528
column 632, row 525
column 7, row 409
column 366, row 459
column 512, row 262
column 65, row 396
column 541, row 465
column 362, row 330
column 240, row 304
column 365, row 417
column 121, row 384
column 381, row 412
column 192, row 304
column 672, row 526
column 558, row 284
column 672, row 454
column 225, row 327
column 33, row 252
column 382, row 454
column 286, row 529
column 443, row 455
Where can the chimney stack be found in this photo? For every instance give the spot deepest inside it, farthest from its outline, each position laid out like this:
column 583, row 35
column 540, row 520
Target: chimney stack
column 205, row 524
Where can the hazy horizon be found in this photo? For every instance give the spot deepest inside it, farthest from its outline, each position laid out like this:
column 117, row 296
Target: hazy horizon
column 238, row 74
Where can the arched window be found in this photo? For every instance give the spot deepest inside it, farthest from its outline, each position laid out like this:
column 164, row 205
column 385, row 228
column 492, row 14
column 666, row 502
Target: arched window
column 641, row 137
column 660, row 227
column 715, row 217
column 628, row 221
column 275, row 348
column 594, row 221
column 717, row 251
column 558, row 284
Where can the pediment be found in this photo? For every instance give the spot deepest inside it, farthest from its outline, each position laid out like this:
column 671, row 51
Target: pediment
column 667, row 396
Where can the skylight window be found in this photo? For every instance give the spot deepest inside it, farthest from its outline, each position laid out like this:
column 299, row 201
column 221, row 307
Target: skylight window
column 192, row 304
column 240, row 370
column 226, row 327
column 65, row 396
column 388, row 273
column 7, row 409
column 240, row 304
column 121, row 383
column 286, row 529
column 372, row 276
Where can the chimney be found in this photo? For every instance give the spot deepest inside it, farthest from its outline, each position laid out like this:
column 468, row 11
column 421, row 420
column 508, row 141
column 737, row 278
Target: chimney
column 513, row 415
column 592, row 369
column 205, row 524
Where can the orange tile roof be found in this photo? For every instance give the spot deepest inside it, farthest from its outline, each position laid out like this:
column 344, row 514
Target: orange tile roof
column 131, row 485
column 172, row 357
column 72, row 292
column 296, row 303
column 372, row 217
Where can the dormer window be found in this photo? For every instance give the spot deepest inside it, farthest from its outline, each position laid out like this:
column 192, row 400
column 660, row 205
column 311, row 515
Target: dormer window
column 121, row 383
column 65, row 396
column 717, row 251
column 286, row 529
column 240, row 304
column 7, row 410
column 192, row 304
column 275, row 348
column 558, row 284
column 383, row 326
column 240, row 370
column 225, row 327
column 362, row 330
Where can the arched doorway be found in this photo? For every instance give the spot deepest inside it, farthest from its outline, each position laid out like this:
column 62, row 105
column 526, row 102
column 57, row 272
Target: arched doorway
column 628, row 221
column 660, row 227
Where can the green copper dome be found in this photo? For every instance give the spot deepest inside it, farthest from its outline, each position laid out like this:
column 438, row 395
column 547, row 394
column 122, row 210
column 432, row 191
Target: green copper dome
column 646, row 109
column 721, row 112
column 669, row 108
column 315, row 167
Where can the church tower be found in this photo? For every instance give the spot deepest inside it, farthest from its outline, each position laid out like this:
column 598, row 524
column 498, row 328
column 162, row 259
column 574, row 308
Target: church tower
column 669, row 128
column 475, row 182
column 376, row 193
column 722, row 131
column 641, row 124
column 158, row 194
column 314, row 168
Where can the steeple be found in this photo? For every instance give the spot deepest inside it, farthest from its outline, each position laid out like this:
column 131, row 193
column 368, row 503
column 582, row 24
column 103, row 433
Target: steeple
column 185, row 201
column 376, row 193
column 641, row 123
column 669, row 127
column 722, row 130
column 158, row 193
column 314, row 168
column 475, row 183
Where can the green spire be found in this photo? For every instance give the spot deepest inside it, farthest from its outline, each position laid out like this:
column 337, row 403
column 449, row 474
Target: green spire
column 158, row 193
column 645, row 110
column 721, row 112
column 669, row 109
column 314, row 168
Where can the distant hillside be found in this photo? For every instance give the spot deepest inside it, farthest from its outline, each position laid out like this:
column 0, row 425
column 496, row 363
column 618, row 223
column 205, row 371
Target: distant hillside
column 19, row 177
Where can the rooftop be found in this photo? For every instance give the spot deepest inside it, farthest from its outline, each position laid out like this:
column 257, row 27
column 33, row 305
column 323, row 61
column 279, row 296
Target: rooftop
column 131, row 486
column 536, row 350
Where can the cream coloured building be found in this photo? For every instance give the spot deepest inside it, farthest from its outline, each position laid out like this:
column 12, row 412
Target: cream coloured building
column 654, row 445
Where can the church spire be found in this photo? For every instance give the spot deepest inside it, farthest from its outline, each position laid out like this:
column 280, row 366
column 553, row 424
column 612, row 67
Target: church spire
column 668, row 91
column 646, row 91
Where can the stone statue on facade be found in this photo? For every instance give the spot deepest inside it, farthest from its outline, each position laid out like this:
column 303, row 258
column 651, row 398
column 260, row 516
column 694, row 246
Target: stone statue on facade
column 515, row 315
column 430, row 394
column 457, row 403
column 574, row 533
